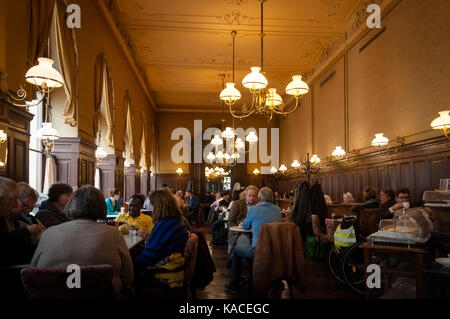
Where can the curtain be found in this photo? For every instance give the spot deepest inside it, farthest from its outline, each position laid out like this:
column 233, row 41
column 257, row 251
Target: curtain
column 50, row 173
column 129, row 125
column 143, row 159
column 97, row 182
column 98, row 90
column 68, row 60
column 39, row 23
column 109, row 104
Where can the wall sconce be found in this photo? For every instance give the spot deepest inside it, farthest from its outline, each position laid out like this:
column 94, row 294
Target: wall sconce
column 282, row 169
column 143, row 170
column 126, row 164
column 179, row 171
column 379, row 140
column 442, row 123
column 338, row 153
column 100, row 154
column 256, row 172
column 44, row 76
column 48, row 135
column 273, row 170
column 295, row 164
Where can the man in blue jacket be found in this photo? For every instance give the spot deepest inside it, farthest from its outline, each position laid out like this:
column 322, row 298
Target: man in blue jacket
column 193, row 206
column 264, row 212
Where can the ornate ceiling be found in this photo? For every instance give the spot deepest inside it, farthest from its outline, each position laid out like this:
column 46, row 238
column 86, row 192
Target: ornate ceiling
column 184, row 46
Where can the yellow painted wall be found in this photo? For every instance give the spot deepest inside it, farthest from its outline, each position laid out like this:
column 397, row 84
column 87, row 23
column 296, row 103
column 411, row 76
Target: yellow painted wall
column 93, row 37
column 396, row 85
column 167, row 122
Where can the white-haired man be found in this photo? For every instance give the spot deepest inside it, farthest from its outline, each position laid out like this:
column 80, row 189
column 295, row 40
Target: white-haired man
column 263, row 213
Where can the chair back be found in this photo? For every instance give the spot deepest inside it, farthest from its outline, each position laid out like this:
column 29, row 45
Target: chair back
column 190, row 255
column 315, row 224
column 278, row 255
column 284, row 204
column 52, row 283
column 367, row 221
column 331, row 225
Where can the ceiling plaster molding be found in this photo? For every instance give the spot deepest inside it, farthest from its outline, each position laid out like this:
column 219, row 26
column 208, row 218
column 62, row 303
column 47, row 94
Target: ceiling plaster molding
column 105, row 13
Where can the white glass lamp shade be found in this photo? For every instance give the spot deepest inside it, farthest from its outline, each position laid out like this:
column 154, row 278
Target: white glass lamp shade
column 100, row 153
column 179, row 171
column 251, row 137
column 295, row 164
column 441, row 122
column 273, row 99
column 227, row 157
column 126, row 164
column 210, row 157
column 216, row 140
column 297, row 87
column 3, row 136
column 273, row 170
column 234, row 156
column 379, row 140
column 230, row 94
column 315, row 159
column 220, row 156
column 44, row 73
column 239, row 144
column 282, row 168
column 255, row 80
column 256, row 171
column 47, row 132
column 338, row 152
column 228, row 133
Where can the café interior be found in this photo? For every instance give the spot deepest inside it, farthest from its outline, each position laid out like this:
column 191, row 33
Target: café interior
column 226, row 149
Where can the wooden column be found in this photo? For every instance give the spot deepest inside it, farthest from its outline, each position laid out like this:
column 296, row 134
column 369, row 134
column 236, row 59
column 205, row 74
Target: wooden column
column 145, row 182
column 15, row 122
column 132, row 181
column 75, row 161
column 111, row 173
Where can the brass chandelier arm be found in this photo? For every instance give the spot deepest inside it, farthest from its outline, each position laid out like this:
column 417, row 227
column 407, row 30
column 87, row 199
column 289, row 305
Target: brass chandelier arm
column 281, row 107
column 241, row 116
column 21, row 96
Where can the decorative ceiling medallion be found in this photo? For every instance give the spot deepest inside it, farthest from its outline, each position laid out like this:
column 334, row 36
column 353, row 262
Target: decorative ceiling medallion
column 236, row 17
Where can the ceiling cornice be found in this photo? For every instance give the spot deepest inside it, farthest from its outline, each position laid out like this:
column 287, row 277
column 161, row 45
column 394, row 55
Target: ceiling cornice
column 122, row 45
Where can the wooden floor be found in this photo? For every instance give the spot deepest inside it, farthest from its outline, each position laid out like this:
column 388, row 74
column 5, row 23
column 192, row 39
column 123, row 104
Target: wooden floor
column 319, row 285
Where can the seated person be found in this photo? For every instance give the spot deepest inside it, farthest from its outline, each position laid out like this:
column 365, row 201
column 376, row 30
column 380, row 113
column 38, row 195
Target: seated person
column 265, row 212
column 147, row 202
column 51, row 211
column 112, row 202
column 166, row 243
column 180, row 197
column 14, row 239
column 134, row 217
column 212, row 217
column 21, row 216
column 370, row 200
column 277, row 196
column 401, row 197
column 347, row 199
column 83, row 241
column 218, row 227
column 387, row 200
column 193, row 206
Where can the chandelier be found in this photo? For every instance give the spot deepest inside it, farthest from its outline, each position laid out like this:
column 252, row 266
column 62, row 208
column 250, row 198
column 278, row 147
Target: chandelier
column 216, row 173
column 232, row 147
column 265, row 102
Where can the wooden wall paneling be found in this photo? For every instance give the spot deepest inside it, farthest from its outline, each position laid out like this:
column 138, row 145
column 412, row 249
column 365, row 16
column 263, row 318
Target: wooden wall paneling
column 371, row 177
column 422, row 179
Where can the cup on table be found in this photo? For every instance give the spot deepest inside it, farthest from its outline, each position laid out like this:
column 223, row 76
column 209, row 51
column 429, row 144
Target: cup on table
column 132, row 231
column 241, row 225
column 122, row 210
column 406, row 205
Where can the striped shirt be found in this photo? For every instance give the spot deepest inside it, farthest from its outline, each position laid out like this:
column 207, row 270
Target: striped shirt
column 167, row 237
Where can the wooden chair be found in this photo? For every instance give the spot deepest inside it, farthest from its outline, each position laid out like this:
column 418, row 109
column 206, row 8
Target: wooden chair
column 190, row 255
column 320, row 237
column 51, row 283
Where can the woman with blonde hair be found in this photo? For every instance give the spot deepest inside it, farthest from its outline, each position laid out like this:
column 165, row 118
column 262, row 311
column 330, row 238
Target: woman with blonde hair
column 347, row 198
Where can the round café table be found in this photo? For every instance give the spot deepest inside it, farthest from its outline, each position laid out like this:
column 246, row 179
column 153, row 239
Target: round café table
column 240, row 229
